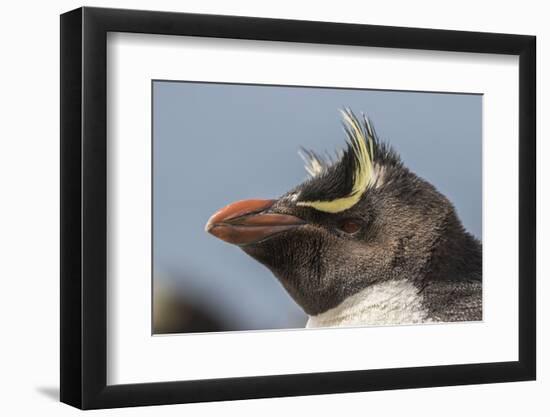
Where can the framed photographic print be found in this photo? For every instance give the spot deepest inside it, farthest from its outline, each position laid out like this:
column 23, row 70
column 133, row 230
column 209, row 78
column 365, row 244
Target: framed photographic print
column 257, row 207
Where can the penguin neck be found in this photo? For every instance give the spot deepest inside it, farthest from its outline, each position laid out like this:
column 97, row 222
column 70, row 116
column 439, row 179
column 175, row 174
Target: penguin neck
column 384, row 303
column 458, row 257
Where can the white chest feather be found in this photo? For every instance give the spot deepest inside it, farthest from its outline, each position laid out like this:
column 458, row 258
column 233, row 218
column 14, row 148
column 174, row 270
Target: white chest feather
column 391, row 302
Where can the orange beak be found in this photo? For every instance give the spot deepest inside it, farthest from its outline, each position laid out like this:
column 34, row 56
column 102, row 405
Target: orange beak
column 245, row 222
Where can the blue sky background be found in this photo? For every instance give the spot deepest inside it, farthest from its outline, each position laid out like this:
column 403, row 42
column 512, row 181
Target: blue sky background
column 217, row 143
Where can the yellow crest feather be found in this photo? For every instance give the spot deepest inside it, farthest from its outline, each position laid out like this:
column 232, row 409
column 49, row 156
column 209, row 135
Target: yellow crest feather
column 363, row 176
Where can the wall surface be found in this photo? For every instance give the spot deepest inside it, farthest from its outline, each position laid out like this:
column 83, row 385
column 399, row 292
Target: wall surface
column 29, row 237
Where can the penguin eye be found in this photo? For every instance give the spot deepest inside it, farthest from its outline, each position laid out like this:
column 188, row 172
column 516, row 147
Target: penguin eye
column 349, row 226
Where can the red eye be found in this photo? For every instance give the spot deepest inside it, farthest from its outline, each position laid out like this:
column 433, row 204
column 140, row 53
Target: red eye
column 349, row 226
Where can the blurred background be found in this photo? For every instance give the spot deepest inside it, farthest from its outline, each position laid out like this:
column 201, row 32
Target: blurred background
column 216, row 143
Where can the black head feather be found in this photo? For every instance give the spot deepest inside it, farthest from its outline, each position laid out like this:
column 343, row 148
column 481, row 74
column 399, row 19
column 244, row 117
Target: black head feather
column 334, row 178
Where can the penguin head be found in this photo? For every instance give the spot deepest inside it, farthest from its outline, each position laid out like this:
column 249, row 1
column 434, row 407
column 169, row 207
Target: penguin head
column 360, row 218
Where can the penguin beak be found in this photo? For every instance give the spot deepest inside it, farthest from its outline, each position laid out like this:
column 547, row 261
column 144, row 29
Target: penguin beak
column 245, row 222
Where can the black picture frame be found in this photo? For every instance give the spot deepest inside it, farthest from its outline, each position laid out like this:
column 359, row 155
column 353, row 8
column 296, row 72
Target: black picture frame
column 84, row 207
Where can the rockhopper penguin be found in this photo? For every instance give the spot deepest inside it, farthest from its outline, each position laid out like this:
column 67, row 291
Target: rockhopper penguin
column 363, row 241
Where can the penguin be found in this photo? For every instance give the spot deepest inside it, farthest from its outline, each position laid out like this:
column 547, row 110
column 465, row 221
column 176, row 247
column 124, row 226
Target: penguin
column 363, row 240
